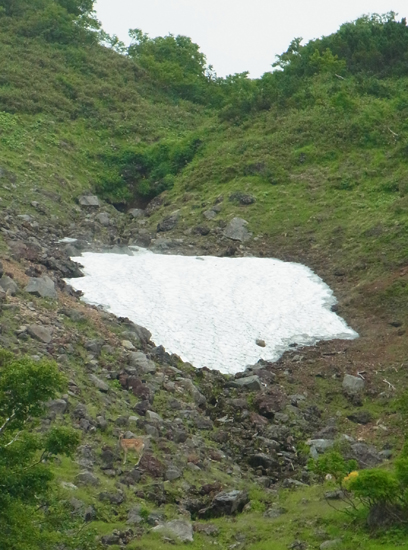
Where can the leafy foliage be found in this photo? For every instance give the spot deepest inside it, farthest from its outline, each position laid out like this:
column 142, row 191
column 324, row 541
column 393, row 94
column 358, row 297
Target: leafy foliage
column 28, row 519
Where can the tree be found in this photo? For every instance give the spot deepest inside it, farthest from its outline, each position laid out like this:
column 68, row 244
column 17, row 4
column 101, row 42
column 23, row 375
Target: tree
column 29, row 519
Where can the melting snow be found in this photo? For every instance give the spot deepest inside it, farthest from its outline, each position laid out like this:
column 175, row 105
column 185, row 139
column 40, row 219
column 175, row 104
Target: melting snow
column 210, row 311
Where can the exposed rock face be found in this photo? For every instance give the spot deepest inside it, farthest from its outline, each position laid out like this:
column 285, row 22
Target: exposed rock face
column 236, row 230
column 42, row 286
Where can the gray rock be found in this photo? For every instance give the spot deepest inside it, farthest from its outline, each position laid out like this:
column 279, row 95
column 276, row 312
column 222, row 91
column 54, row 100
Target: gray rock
column 353, row 384
column 209, row 214
column 366, row 455
column 86, row 478
column 8, row 285
column 89, row 200
column 40, row 333
column 137, row 213
column 169, row 223
column 273, row 513
column 57, row 406
column 1, row 270
column 261, row 343
column 172, row 474
column 89, row 514
column 134, row 516
column 153, row 417
column 226, row 504
column 361, row 417
column 139, row 360
column 236, row 230
column 103, row 219
column 42, row 286
column 320, row 445
column 112, row 498
column 178, row 528
column 110, row 540
column 330, row 544
column 98, row 383
column 248, row 382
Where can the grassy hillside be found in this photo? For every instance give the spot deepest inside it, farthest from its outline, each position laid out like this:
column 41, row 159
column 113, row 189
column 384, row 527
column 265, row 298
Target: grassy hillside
column 314, row 156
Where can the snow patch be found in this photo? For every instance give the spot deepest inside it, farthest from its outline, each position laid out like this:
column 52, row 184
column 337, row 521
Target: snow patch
column 211, row 311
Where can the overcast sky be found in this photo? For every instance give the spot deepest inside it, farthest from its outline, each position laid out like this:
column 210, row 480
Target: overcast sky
column 238, row 35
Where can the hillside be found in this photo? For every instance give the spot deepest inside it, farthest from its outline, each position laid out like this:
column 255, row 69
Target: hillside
column 314, row 158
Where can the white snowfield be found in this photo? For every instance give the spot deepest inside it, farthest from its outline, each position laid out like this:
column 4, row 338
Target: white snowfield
column 210, row 311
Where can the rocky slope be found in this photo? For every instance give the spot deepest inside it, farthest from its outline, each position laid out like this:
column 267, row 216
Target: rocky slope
column 215, row 445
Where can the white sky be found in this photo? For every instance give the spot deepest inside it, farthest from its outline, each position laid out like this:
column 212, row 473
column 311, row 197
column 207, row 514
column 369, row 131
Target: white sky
column 238, row 35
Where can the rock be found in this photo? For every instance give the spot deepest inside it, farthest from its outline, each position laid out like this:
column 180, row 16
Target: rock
column 178, row 528
column 110, row 540
column 334, row 495
column 209, row 214
column 127, row 344
column 153, row 417
column 1, row 270
column 103, row 219
column 43, row 287
column 112, row 498
column 261, row 343
column 86, row 478
column 136, row 213
column 320, row 445
column 57, row 406
column 89, row 200
column 236, row 230
column 172, row 474
column 8, row 285
column 94, row 346
column 298, row 545
column 353, row 384
column 242, row 198
column 142, row 407
column 139, row 360
column 361, row 417
column 248, row 382
column 89, row 514
column 330, row 544
column 134, row 516
column 151, row 465
column 40, row 333
column 273, row 513
column 366, row 455
column 202, row 230
column 169, row 223
column 264, row 461
column 226, row 504
column 208, row 529
column 98, row 383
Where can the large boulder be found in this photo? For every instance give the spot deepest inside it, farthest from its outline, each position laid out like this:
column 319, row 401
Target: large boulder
column 40, row 333
column 226, row 504
column 248, row 382
column 236, row 230
column 180, row 529
column 169, row 223
column 43, row 287
column 89, row 201
column 139, row 360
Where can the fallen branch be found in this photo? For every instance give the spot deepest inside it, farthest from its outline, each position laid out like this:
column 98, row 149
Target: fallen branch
column 341, row 77
column 389, row 384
